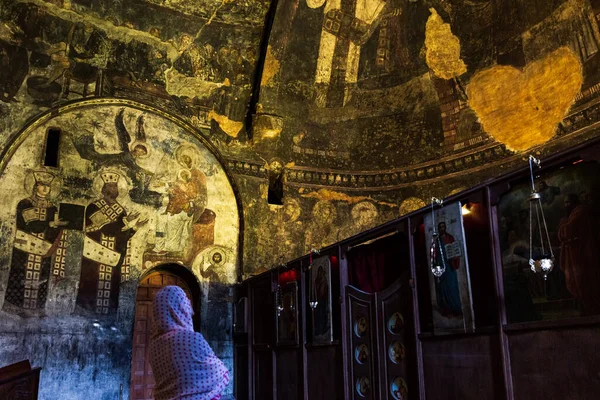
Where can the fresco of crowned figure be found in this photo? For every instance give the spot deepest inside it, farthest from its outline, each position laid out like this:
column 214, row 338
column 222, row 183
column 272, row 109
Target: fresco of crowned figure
column 370, row 44
column 38, row 231
column 346, row 27
column 108, row 228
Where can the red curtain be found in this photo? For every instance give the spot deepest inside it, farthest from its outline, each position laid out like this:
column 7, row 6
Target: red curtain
column 375, row 266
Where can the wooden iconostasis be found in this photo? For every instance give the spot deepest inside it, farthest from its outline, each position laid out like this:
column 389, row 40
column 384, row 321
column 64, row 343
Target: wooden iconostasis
column 366, row 319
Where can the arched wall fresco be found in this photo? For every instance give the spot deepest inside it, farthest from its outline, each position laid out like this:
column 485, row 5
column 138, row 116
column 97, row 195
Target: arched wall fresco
column 133, row 189
column 401, row 101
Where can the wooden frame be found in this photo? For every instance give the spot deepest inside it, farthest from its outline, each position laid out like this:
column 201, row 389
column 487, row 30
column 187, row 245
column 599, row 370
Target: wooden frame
column 323, row 312
column 450, row 216
column 240, row 316
column 286, row 321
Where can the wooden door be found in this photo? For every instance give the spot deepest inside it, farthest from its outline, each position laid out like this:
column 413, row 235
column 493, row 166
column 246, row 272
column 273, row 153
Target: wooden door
column 363, row 344
column 382, row 347
column 142, row 380
column 396, row 346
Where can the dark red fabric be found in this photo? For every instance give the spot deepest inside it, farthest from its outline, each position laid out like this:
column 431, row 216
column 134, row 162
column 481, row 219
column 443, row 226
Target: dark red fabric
column 288, row 276
column 375, row 266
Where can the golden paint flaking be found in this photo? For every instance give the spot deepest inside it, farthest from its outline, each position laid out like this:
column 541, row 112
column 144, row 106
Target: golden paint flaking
column 270, row 69
column 178, row 84
column 411, row 204
column 121, row 33
column 267, row 127
column 443, row 48
column 331, row 195
column 522, row 108
column 231, row 128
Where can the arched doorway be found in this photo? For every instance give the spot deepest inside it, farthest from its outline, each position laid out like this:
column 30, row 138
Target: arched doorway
column 142, row 380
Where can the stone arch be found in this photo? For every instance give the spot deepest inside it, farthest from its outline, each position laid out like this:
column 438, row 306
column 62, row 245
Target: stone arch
column 142, row 379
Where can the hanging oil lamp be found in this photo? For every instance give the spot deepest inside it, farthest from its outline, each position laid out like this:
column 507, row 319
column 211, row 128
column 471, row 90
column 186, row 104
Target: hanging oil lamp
column 438, row 261
column 312, row 293
column 544, row 262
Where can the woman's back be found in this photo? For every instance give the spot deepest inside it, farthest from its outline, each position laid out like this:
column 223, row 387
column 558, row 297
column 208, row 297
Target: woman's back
column 183, row 364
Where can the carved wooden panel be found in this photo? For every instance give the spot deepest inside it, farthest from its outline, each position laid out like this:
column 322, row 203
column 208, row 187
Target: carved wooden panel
column 263, row 374
column 19, row 381
column 363, row 344
column 556, row 364
column 263, row 314
column 396, row 349
column 324, row 373
column 289, row 374
column 464, row 368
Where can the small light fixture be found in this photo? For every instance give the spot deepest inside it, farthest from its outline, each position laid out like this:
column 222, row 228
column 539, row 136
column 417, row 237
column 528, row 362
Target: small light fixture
column 543, row 262
column 466, row 209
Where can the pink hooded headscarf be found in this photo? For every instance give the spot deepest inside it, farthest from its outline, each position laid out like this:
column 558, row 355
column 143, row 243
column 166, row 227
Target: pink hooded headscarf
column 183, row 364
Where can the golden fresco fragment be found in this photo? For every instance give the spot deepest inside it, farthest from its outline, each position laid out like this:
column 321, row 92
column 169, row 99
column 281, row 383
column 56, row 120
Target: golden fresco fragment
column 522, row 108
column 443, row 48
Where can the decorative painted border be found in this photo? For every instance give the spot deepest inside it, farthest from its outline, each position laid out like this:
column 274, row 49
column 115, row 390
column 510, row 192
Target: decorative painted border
column 582, row 123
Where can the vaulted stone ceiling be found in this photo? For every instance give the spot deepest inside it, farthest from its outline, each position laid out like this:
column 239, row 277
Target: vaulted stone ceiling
column 370, row 105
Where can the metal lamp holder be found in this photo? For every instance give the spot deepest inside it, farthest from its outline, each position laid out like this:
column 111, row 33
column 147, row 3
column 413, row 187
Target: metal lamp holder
column 545, row 262
column 312, row 295
column 437, row 264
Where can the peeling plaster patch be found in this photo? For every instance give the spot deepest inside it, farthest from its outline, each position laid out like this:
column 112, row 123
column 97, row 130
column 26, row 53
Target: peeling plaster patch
column 267, row 127
column 457, row 190
column 231, row 128
column 178, row 84
column 120, row 33
column 411, row 204
column 443, row 48
column 271, row 68
column 240, row 11
column 331, row 195
column 522, row 108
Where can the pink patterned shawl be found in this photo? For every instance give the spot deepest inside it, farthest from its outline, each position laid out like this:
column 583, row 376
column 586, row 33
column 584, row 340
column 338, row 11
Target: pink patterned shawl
column 183, row 364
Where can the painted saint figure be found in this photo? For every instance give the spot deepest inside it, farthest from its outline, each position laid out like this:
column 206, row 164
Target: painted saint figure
column 322, row 310
column 108, row 228
column 38, row 229
column 287, row 320
column 447, row 292
column 184, row 204
column 347, row 25
column 578, row 233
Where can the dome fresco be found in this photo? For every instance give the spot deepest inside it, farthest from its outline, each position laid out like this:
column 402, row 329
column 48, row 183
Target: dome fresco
column 403, row 101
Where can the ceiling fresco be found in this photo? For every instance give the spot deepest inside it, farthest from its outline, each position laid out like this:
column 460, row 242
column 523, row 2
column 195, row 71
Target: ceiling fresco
column 390, row 102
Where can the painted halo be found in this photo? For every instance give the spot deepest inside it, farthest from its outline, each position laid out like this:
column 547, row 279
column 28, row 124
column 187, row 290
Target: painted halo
column 361, row 353
column 360, row 327
column 140, row 144
column 363, row 386
column 398, row 389
column 395, row 323
column 396, row 352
